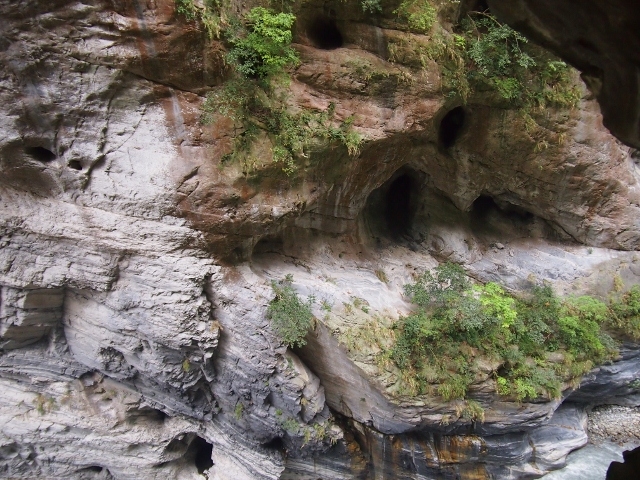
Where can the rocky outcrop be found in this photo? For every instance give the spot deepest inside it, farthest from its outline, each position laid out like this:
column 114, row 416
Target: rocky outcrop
column 135, row 266
column 601, row 41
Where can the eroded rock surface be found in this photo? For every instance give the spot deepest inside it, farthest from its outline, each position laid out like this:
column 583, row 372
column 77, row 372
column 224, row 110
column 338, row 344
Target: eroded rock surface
column 135, row 267
column 602, row 41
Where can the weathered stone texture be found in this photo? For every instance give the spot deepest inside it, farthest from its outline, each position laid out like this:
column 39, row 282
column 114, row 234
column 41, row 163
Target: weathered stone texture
column 135, row 269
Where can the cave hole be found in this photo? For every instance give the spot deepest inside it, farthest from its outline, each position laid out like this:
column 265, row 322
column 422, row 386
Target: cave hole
column 275, row 444
column 94, row 468
column 390, row 209
column 483, row 206
column 324, row 34
column 40, row 154
column 75, row 164
column 451, row 127
column 202, row 453
column 398, row 211
column 269, row 244
column 487, row 215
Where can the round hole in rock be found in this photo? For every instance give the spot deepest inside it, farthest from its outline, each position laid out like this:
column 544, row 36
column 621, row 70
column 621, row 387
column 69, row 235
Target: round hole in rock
column 451, row 127
column 40, row 154
column 202, row 453
column 75, row 164
column 324, row 34
column 275, row 444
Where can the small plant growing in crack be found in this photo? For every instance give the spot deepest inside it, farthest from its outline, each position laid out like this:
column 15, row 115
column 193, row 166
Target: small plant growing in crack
column 291, row 317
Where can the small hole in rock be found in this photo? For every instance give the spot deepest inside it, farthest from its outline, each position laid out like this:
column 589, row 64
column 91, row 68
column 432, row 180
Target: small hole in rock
column 202, row 450
column 451, row 127
column 275, row 444
column 324, row 33
column 75, row 164
column 94, row 468
column 40, row 154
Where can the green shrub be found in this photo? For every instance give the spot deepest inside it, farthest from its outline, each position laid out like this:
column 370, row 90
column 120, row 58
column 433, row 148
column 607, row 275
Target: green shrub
column 371, row 6
column 291, row 318
column 487, row 56
column 626, row 313
column 291, row 134
column 420, row 15
column 263, row 49
column 209, row 14
column 456, row 324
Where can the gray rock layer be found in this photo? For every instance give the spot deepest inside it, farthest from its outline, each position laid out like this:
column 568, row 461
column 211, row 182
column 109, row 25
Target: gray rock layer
column 135, row 268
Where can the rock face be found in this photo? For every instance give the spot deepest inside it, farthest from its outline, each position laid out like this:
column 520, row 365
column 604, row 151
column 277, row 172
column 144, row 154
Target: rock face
column 601, row 41
column 135, row 266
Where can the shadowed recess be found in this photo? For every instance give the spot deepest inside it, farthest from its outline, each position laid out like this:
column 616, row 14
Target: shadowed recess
column 324, row 34
column 398, row 211
column 451, row 127
column 390, row 210
column 40, row 154
column 75, row 164
column 202, row 451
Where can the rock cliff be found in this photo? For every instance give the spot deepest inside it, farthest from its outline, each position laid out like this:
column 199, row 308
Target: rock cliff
column 135, row 262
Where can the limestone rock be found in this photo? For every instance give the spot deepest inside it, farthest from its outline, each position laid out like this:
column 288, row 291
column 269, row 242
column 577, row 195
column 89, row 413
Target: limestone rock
column 135, row 267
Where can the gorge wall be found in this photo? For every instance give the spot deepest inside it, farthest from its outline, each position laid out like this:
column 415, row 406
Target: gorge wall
column 135, row 262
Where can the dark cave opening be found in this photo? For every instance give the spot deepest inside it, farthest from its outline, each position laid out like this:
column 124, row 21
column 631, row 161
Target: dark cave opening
column 451, row 127
column 487, row 215
column 275, row 444
column 324, row 34
column 398, row 212
column 390, row 210
column 40, row 154
column 202, row 451
column 483, row 206
column 75, row 164
column 268, row 244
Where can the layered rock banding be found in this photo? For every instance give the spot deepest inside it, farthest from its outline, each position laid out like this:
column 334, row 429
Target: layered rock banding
column 135, row 266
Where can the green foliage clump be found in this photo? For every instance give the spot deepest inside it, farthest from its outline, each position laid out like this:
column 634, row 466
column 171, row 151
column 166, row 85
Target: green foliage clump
column 291, row 317
column 291, row 134
column 626, row 313
column 420, row 15
column 262, row 48
column 260, row 53
column 535, row 343
column 210, row 14
column 371, row 6
column 500, row 58
column 487, row 56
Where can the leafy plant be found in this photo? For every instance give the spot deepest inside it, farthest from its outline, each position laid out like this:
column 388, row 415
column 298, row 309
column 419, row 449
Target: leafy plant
column 210, row 14
column 626, row 313
column 420, row 15
column 291, row 134
column 291, row 318
column 455, row 324
column 238, row 411
column 371, row 6
column 263, row 48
